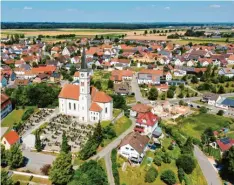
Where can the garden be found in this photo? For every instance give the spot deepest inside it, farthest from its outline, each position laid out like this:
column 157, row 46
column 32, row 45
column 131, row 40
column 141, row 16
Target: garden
column 157, row 166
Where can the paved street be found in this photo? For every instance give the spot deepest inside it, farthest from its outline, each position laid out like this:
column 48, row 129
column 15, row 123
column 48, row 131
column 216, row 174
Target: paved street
column 209, row 172
column 36, row 160
column 108, row 163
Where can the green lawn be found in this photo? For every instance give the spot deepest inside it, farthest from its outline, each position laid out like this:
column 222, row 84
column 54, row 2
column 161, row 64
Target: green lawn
column 116, row 112
column 130, row 99
column 102, row 163
column 120, row 126
column 13, row 117
column 195, row 124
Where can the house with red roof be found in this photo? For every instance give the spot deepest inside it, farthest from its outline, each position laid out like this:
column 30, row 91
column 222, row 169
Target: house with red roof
column 149, row 76
column 146, row 123
column 225, row 144
column 10, row 139
column 121, row 75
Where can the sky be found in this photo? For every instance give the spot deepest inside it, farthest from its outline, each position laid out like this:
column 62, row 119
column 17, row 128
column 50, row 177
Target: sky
column 119, row 11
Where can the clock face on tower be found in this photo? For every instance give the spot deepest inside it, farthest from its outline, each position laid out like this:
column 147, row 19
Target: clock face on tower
column 82, row 74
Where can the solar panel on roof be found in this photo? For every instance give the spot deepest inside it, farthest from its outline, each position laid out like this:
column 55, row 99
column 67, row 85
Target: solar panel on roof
column 225, row 141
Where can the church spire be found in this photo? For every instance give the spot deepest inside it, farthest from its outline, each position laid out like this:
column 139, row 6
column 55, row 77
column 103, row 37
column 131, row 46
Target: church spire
column 83, row 60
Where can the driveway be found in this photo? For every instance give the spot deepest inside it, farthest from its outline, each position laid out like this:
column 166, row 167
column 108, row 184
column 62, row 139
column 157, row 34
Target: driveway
column 212, row 177
column 36, row 160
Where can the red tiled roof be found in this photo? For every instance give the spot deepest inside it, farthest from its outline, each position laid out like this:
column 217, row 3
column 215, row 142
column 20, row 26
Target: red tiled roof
column 101, row 97
column 12, row 137
column 151, row 71
column 70, row 91
column 4, row 98
column 141, row 108
column 95, row 107
column 44, row 69
column 225, row 147
column 148, row 118
column 231, row 57
column 77, row 74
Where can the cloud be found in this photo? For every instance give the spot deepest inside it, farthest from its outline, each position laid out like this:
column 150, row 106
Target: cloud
column 167, row 8
column 27, row 8
column 153, row 5
column 215, row 6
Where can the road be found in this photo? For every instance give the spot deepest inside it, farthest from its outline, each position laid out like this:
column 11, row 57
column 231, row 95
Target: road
column 208, row 170
column 108, row 163
column 36, row 160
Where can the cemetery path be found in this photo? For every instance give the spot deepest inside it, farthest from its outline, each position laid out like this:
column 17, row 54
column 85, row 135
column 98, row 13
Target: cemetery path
column 47, row 119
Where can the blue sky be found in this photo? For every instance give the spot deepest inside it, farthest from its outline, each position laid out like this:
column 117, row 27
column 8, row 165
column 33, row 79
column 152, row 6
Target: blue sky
column 152, row 11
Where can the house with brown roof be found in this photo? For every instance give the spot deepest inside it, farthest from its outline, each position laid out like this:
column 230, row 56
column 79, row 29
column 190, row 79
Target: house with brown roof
column 149, row 76
column 230, row 59
column 133, row 147
column 10, row 139
column 139, row 108
column 121, row 75
column 6, row 105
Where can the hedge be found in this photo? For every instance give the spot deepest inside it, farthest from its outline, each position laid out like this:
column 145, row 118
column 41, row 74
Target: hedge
column 115, row 166
column 27, row 114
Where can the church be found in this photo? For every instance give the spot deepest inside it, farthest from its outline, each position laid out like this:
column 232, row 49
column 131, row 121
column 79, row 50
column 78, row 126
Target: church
column 85, row 101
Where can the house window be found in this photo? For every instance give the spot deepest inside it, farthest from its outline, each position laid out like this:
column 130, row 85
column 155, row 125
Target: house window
column 127, row 148
column 106, row 110
column 94, row 118
column 74, row 106
column 82, row 108
column 83, row 118
column 69, row 106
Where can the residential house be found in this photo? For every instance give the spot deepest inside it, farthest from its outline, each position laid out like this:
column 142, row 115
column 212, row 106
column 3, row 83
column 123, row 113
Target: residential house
column 123, row 62
column 44, row 69
column 69, row 50
column 55, row 50
column 133, row 147
column 3, row 81
column 121, row 75
column 139, row 108
column 122, row 88
column 55, row 77
column 6, row 106
column 225, row 144
column 21, row 82
column 76, row 76
column 211, row 98
column 10, row 139
column 149, row 76
column 228, row 72
column 230, row 59
column 146, row 123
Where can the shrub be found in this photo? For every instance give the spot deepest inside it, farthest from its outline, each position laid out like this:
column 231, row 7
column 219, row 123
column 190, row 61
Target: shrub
column 151, row 175
column 168, row 177
column 220, row 113
column 187, row 163
column 27, row 114
column 45, row 169
column 157, row 160
column 166, row 158
column 203, row 110
column 181, row 174
column 115, row 166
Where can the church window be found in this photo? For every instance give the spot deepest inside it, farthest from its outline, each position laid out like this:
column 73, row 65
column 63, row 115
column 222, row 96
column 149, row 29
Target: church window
column 69, row 106
column 106, row 110
column 82, row 83
column 94, row 118
column 74, row 106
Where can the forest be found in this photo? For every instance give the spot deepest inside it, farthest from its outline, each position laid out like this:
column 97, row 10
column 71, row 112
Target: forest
column 54, row 25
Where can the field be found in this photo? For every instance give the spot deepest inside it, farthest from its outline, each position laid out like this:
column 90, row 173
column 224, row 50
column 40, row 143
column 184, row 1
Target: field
column 195, row 124
column 136, row 175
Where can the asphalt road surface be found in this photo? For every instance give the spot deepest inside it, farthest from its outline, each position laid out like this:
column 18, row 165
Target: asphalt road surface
column 208, row 170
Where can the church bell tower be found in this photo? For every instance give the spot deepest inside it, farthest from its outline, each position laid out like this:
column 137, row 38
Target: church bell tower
column 84, row 98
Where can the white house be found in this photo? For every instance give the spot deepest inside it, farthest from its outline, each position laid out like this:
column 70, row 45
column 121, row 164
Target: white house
column 168, row 76
column 10, row 139
column 83, row 101
column 228, row 72
column 179, row 73
column 211, row 98
column 133, row 147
